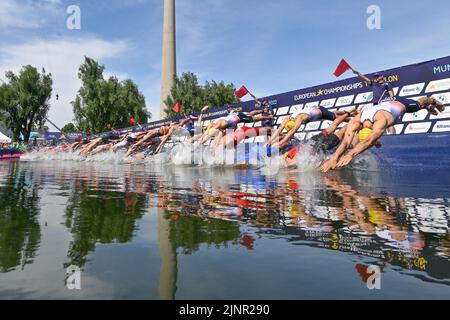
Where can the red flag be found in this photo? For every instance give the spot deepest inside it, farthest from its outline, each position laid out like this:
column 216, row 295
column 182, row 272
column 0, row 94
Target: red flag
column 341, row 68
column 132, row 121
column 241, row 92
column 177, row 107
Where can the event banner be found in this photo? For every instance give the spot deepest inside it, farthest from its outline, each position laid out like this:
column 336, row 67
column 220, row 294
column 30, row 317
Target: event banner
column 412, row 81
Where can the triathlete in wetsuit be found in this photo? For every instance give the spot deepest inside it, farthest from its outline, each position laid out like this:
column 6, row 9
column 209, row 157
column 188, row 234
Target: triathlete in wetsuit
column 294, row 122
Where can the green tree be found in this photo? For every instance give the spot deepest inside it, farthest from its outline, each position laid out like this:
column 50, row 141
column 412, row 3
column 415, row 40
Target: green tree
column 193, row 97
column 70, row 127
column 219, row 94
column 24, row 100
column 101, row 102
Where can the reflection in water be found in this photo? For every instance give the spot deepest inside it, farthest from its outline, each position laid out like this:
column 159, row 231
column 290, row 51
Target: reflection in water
column 382, row 217
column 19, row 227
column 100, row 217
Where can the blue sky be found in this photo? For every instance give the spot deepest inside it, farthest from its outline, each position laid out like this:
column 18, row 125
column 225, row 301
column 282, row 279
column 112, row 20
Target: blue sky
column 270, row 46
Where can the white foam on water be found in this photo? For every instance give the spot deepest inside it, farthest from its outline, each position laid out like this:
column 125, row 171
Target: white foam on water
column 44, row 155
column 49, row 156
column 308, row 160
column 181, row 154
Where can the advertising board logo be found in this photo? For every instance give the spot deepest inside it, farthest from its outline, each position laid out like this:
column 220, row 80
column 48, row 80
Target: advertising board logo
column 364, row 97
column 313, row 126
column 312, row 104
column 282, row 111
column 412, row 89
column 328, row 103
column 416, row 116
column 418, row 128
column 343, row 101
column 444, row 98
column 438, row 85
column 442, row 126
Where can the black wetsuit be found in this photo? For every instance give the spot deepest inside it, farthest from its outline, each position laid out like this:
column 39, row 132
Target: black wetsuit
column 108, row 137
column 324, row 142
column 411, row 105
column 268, row 122
column 190, row 127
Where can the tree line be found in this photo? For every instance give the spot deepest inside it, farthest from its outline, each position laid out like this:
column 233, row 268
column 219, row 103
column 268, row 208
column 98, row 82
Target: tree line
column 101, row 104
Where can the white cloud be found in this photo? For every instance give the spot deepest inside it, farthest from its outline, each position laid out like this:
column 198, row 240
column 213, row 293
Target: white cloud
column 62, row 58
column 27, row 14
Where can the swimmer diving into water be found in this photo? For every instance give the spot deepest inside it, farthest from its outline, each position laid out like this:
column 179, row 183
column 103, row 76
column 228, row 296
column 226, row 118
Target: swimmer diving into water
column 375, row 120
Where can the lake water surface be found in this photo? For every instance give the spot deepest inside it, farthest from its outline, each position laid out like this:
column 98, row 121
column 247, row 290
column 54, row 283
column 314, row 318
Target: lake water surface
column 166, row 232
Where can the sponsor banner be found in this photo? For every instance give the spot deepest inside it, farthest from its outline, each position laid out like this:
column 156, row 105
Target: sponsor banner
column 364, row 97
column 442, row 115
column 442, row 126
column 343, row 101
column 399, row 128
column 421, row 127
column 326, row 124
column 329, row 103
column 438, row 85
column 407, row 81
column 416, row 116
column 282, row 111
column 312, row 104
column 296, row 108
column 412, row 89
column 313, row 126
column 444, row 98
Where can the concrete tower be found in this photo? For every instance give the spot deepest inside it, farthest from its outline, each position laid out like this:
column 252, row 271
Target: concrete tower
column 168, row 53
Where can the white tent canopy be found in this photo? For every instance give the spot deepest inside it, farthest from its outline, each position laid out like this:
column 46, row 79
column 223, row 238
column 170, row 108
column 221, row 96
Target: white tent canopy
column 4, row 139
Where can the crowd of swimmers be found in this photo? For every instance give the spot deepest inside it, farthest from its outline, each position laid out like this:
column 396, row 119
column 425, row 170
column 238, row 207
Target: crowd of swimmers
column 350, row 133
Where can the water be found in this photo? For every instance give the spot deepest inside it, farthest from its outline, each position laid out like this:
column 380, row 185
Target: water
column 146, row 231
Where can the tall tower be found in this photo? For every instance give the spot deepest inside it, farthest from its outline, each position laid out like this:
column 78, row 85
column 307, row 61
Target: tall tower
column 168, row 53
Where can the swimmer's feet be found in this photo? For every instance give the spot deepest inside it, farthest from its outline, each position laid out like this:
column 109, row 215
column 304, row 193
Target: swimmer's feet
column 437, row 104
column 431, row 110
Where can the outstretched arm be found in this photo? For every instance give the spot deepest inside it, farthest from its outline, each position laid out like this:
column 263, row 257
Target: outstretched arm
column 162, row 143
column 254, row 98
column 378, row 130
column 359, row 74
column 277, row 132
column 298, row 123
column 347, row 141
